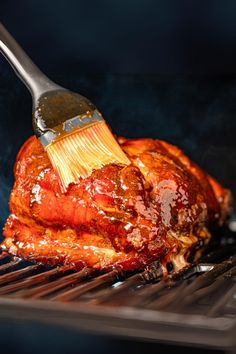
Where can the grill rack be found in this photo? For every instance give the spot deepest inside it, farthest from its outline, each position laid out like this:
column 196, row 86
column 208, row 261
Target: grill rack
column 195, row 306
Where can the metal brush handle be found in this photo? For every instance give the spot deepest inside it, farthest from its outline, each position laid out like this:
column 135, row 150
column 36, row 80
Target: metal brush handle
column 23, row 66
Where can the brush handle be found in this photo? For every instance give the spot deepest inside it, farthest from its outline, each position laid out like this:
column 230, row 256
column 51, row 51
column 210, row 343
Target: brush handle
column 23, row 66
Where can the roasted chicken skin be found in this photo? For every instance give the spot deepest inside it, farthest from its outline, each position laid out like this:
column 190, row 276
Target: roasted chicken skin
column 162, row 207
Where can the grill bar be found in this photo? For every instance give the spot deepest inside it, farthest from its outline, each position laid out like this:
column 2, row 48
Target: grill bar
column 206, row 289
column 58, row 284
column 147, row 295
column 222, row 302
column 174, row 284
column 18, row 274
column 148, row 285
column 130, row 284
column 183, row 294
column 8, row 266
column 82, row 289
column 32, row 280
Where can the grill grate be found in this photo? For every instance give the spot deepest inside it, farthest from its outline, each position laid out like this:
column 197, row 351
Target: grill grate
column 198, row 297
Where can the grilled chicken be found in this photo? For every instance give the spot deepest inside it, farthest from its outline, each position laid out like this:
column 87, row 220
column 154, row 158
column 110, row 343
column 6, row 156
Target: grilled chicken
column 162, row 207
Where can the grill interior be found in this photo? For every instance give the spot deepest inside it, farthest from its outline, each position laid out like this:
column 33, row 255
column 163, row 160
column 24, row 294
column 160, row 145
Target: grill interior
column 195, row 306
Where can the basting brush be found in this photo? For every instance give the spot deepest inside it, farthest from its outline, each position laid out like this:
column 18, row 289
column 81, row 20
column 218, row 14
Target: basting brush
column 70, row 128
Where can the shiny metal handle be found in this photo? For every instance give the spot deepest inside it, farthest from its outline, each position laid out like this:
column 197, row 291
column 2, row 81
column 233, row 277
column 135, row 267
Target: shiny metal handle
column 25, row 69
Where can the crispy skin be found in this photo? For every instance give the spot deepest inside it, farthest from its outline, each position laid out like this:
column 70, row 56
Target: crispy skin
column 161, row 207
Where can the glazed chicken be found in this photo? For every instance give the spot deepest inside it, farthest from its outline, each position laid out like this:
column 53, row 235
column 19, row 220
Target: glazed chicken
column 162, row 208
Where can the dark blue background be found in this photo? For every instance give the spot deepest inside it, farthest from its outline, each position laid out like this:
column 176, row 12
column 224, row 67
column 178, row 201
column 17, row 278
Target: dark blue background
column 164, row 69
column 126, row 36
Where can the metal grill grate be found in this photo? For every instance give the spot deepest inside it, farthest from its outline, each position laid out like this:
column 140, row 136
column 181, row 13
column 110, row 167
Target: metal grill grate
column 199, row 300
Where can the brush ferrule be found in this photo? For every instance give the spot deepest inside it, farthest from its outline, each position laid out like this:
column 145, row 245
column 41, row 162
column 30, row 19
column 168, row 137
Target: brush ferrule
column 80, row 121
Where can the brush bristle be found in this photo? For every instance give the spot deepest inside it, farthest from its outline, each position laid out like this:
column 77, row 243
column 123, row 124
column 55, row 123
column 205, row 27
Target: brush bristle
column 79, row 153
